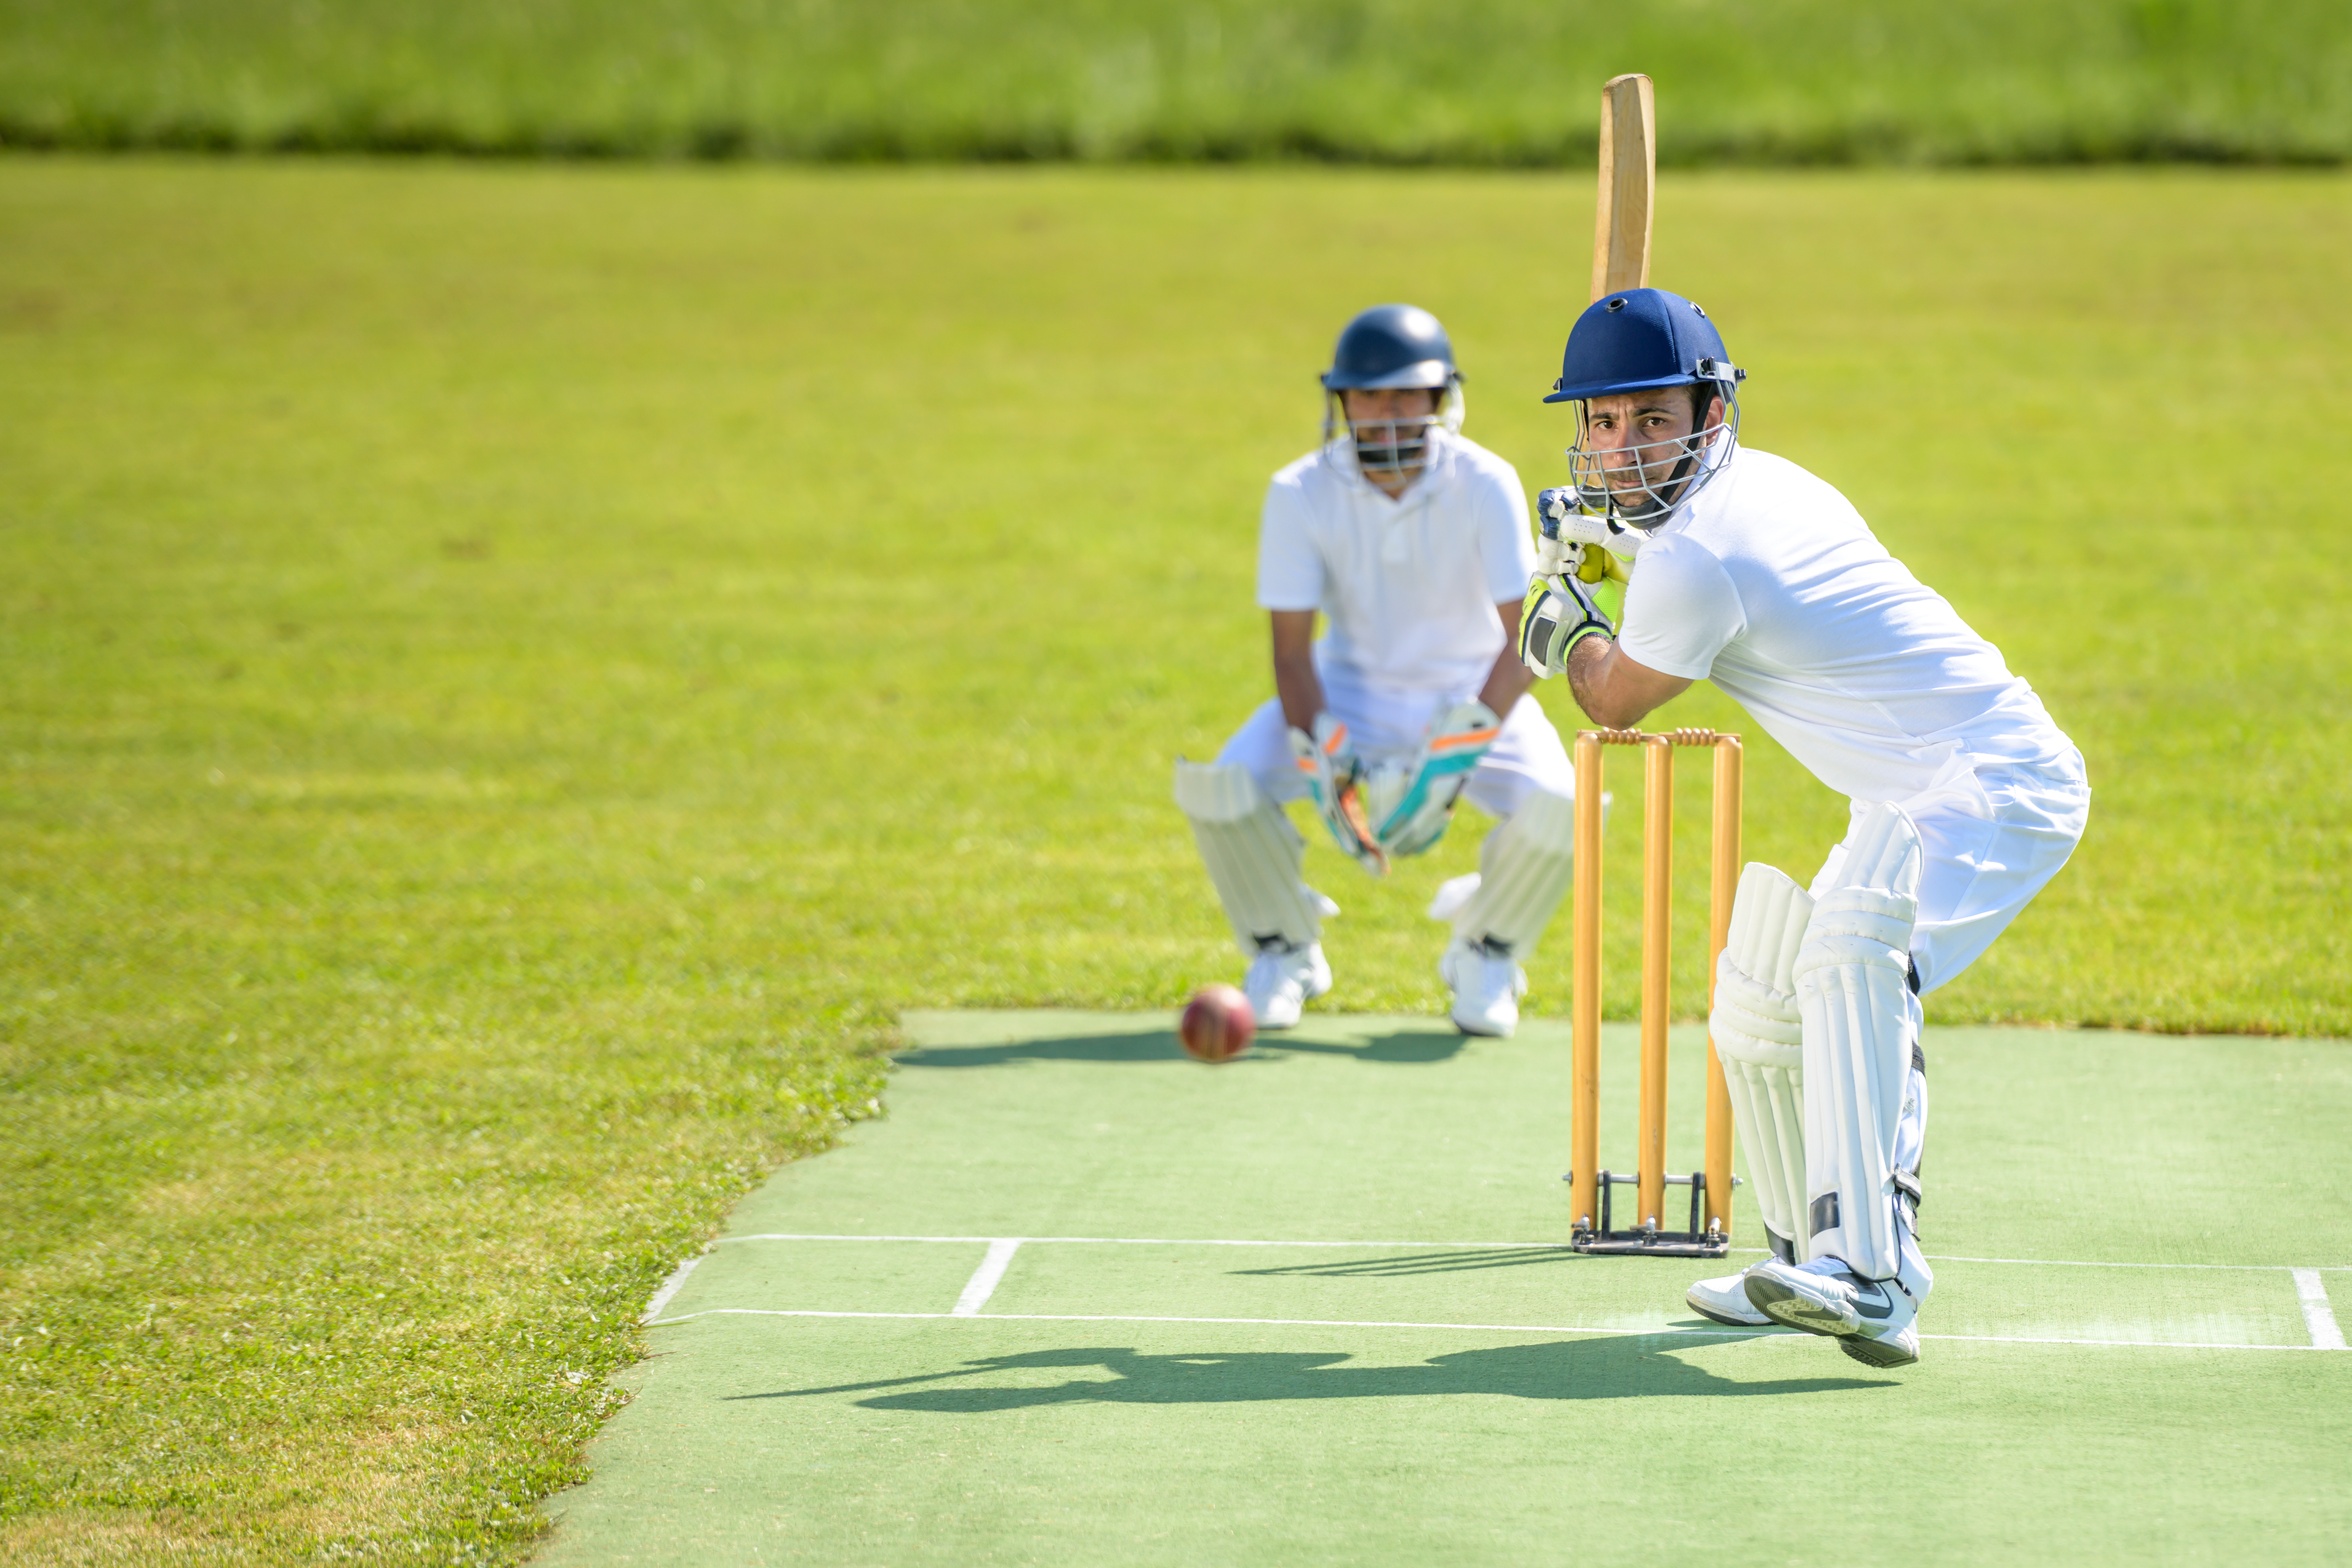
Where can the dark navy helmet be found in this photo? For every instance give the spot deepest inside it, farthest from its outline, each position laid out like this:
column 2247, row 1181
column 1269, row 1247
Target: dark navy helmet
column 1392, row 345
column 1640, row 339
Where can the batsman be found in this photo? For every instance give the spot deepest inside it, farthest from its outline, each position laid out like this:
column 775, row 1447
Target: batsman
column 1745, row 569
column 1411, row 541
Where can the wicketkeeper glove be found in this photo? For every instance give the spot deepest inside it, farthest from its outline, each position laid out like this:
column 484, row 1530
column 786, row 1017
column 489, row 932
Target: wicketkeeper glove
column 1454, row 747
column 1559, row 612
column 1329, row 760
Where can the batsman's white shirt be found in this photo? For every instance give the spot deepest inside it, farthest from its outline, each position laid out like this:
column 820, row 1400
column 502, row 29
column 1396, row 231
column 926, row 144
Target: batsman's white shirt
column 1770, row 585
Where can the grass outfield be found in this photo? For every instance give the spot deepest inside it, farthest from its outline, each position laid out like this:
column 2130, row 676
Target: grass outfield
column 515, row 676
column 1494, row 81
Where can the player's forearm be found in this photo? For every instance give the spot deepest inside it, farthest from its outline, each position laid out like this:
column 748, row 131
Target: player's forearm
column 1506, row 683
column 1300, row 689
column 1295, row 681
column 1599, row 679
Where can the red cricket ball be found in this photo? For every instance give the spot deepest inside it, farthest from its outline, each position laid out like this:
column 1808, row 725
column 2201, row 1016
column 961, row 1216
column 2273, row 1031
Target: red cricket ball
column 1217, row 1025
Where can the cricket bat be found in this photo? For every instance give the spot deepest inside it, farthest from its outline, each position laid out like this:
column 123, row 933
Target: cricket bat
column 1629, row 167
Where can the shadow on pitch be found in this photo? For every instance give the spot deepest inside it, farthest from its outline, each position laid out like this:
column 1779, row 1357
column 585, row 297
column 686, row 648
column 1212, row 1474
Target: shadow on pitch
column 1632, row 1366
column 1405, row 1047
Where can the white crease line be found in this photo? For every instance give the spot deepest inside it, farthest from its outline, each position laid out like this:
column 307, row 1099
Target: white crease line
column 1466, row 1328
column 669, row 1287
column 1493, row 1246
column 984, row 1280
column 2326, row 1334
column 2078, row 1263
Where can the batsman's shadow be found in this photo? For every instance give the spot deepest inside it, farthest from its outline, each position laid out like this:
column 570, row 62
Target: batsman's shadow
column 1404, row 1047
column 1628, row 1366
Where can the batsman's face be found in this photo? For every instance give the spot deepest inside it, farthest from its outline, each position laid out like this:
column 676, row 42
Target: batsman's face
column 1639, row 438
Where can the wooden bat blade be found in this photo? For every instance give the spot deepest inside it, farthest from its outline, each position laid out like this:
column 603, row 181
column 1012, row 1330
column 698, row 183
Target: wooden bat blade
column 1629, row 167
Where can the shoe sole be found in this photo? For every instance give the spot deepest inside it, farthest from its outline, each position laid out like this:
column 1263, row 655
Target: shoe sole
column 1877, row 1352
column 1793, row 1311
column 1753, row 1321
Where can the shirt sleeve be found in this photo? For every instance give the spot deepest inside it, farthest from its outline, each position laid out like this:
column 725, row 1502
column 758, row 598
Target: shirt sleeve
column 1681, row 608
column 1506, row 548
column 1290, row 571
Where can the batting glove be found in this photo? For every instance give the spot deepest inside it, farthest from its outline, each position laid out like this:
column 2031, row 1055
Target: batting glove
column 1328, row 758
column 1559, row 612
column 1573, row 541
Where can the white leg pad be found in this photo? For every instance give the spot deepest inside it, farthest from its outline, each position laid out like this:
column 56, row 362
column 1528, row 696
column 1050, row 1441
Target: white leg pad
column 1524, row 870
column 1760, row 1039
column 1254, row 856
column 1861, row 1027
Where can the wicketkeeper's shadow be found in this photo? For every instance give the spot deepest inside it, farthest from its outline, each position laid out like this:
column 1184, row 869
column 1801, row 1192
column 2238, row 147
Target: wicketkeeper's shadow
column 1623, row 1366
column 1436, row 1044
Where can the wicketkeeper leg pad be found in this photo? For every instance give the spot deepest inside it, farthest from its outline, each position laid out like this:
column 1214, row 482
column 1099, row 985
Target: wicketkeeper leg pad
column 1524, row 870
column 1254, row 856
column 1759, row 1037
column 1865, row 1105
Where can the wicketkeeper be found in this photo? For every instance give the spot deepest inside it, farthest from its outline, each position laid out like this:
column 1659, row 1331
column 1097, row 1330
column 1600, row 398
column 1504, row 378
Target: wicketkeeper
column 1747, row 571
column 1413, row 543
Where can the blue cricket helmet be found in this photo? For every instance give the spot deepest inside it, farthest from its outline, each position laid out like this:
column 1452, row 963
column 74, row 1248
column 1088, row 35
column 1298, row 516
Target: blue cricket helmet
column 1639, row 339
column 1392, row 346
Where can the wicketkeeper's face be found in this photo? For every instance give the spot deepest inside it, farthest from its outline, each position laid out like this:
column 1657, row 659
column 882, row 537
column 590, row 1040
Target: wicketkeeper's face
column 1398, row 404
column 1638, row 438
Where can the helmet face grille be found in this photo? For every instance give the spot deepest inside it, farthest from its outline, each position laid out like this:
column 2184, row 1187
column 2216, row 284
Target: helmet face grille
column 1390, row 451
column 1640, row 483
column 1392, row 446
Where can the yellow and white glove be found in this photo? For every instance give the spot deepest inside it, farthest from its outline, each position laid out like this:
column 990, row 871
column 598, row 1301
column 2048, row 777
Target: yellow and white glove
column 1559, row 612
column 1571, row 541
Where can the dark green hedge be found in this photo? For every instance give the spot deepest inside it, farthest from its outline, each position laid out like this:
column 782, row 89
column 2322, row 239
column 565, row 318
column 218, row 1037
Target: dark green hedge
column 1501, row 82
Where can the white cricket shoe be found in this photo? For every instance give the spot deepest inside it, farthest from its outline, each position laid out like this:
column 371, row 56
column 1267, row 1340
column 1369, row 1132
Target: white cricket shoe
column 1486, row 989
column 1873, row 1321
column 1724, row 1299
column 1282, row 981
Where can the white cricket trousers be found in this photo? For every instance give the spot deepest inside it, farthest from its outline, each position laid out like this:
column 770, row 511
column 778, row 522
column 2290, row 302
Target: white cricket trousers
column 1989, row 843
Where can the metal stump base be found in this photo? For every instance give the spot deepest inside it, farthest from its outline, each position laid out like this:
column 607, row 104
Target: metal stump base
column 1646, row 1241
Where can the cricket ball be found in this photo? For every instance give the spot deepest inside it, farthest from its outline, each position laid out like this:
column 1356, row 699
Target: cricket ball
column 1217, row 1025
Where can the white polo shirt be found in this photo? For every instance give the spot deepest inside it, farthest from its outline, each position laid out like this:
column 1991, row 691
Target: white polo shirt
column 1770, row 585
column 1409, row 586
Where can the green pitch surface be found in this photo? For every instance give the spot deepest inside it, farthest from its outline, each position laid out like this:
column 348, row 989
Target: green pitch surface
column 1080, row 1300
